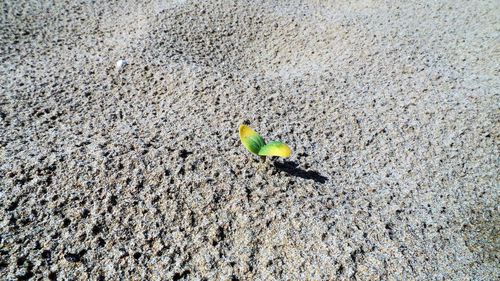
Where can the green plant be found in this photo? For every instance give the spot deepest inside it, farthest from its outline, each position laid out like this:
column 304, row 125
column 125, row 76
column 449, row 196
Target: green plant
column 256, row 144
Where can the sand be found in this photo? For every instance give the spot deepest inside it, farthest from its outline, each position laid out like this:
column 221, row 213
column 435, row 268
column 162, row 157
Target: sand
column 137, row 173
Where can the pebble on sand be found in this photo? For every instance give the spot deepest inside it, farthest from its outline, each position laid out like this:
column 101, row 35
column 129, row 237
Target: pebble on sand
column 121, row 64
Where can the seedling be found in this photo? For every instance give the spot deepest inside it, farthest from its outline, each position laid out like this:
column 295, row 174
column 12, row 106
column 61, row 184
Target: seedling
column 256, row 144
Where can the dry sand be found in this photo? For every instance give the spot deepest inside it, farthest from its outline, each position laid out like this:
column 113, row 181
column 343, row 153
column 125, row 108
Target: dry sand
column 391, row 109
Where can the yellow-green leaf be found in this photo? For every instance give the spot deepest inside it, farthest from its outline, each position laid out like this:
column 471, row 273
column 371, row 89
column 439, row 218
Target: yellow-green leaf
column 275, row 148
column 250, row 139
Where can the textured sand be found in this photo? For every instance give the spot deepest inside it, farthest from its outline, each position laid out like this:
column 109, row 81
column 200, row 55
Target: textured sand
column 391, row 110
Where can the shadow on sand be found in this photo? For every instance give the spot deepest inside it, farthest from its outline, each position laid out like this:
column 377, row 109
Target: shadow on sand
column 293, row 169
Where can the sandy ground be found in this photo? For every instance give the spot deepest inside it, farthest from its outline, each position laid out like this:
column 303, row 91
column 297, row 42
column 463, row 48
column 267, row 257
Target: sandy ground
column 391, row 110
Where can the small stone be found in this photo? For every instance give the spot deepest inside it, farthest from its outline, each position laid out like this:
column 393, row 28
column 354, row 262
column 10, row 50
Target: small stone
column 121, row 64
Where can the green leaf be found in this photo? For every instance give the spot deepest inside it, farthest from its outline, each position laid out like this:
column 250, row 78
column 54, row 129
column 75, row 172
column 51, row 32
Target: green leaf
column 275, row 148
column 250, row 139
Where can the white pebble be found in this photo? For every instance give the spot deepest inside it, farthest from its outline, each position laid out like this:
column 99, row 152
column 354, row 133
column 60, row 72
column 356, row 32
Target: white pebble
column 121, row 63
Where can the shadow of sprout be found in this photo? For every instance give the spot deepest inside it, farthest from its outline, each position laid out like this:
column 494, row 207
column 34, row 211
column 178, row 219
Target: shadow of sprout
column 293, row 169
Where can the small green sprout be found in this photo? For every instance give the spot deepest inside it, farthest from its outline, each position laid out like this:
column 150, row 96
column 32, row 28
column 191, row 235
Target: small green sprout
column 256, row 144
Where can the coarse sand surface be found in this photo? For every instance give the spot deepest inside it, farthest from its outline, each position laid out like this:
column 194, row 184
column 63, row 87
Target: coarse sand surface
column 120, row 157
